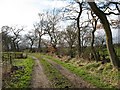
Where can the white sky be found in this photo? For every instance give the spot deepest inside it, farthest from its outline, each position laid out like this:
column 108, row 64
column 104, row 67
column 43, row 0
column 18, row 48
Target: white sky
column 24, row 12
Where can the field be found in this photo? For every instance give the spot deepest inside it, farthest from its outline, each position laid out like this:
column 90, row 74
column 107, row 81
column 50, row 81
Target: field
column 19, row 73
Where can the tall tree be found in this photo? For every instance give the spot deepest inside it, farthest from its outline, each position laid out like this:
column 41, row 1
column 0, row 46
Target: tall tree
column 53, row 19
column 70, row 37
column 94, row 22
column 113, row 57
column 11, row 37
column 73, row 13
column 32, row 38
column 40, row 29
column 6, row 38
column 78, row 26
column 16, row 37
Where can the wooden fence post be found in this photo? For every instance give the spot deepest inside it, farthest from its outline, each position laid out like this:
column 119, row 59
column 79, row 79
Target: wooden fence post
column 11, row 59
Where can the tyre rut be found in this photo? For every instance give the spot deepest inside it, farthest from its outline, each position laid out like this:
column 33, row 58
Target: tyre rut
column 39, row 79
column 77, row 81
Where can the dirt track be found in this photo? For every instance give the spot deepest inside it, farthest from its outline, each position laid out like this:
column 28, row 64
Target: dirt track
column 39, row 79
column 77, row 81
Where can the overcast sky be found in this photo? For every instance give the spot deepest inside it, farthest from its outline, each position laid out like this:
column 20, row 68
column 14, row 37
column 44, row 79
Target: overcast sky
column 25, row 12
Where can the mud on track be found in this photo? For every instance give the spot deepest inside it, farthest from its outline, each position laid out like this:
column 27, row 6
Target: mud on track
column 39, row 79
column 74, row 79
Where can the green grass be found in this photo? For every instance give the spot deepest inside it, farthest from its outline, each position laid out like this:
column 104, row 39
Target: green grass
column 21, row 78
column 56, row 78
column 104, row 51
column 84, row 73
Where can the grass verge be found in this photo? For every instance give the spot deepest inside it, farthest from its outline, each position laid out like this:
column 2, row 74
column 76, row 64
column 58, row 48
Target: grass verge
column 20, row 78
column 83, row 72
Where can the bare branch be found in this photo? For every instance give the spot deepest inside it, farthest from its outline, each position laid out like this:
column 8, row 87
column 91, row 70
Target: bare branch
column 112, row 13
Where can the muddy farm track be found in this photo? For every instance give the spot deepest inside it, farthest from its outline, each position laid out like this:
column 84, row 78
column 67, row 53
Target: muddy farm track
column 40, row 80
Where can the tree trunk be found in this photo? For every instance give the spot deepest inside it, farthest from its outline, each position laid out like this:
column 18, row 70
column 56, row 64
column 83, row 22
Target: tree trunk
column 78, row 26
column 55, row 48
column 92, row 47
column 113, row 57
column 82, row 46
column 71, row 51
column 31, row 49
column 7, row 47
column 92, row 39
column 39, row 45
column 17, row 45
column 14, row 46
column 79, row 40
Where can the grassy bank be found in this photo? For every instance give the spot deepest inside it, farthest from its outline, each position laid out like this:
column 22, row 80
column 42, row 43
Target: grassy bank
column 20, row 78
column 102, row 76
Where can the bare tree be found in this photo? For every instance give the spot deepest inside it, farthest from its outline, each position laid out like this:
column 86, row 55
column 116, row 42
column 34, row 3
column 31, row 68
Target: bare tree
column 32, row 38
column 6, row 38
column 102, row 16
column 40, row 29
column 70, row 37
column 14, row 33
column 70, row 10
column 16, row 37
column 52, row 27
column 93, row 22
column 78, row 21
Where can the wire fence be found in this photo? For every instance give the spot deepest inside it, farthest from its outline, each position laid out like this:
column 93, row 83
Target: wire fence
column 8, row 60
